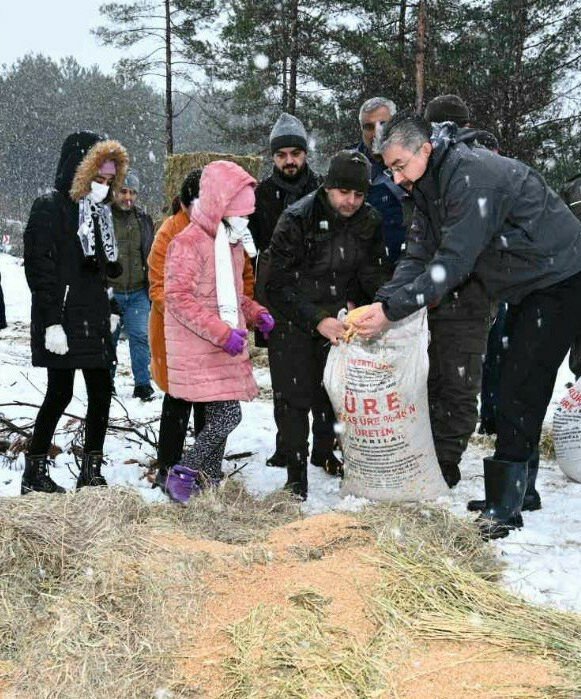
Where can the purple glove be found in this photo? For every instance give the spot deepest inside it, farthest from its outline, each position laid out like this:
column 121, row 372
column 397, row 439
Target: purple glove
column 235, row 343
column 265, row 323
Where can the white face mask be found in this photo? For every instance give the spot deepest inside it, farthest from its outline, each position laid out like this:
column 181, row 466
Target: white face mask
column 98, row 192
column 240, row 231
column 238, row 223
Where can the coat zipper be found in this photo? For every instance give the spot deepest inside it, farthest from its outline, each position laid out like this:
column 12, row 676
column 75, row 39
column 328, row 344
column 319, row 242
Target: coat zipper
column 67, row 287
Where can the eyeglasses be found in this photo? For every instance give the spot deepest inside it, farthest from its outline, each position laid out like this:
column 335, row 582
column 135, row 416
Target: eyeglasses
column 372, row 125
column 400, row 168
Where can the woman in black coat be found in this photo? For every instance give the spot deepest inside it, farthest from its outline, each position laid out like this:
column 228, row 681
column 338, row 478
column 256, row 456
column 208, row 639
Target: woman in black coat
column 69, row 251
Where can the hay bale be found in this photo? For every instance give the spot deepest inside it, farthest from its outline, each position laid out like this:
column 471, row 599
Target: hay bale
column 178, row 166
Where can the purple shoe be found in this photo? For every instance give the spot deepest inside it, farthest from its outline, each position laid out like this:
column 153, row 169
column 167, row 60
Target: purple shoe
column 182, row 483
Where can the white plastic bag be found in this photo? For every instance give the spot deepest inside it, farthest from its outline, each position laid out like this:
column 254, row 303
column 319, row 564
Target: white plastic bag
column 567, row 432
column 378, row 389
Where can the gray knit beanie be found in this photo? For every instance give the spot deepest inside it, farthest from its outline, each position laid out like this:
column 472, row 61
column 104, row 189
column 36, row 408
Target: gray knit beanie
column 131, row 181
column 288, row 132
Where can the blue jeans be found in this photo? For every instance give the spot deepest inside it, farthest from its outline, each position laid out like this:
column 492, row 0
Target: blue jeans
column 135, row 306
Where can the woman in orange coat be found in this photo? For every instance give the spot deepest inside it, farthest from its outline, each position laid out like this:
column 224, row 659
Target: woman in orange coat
column 175, row 412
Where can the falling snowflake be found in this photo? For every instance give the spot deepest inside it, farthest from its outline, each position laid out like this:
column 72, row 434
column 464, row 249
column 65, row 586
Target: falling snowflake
column 261, row 61
column 438, row 273
column 483, row 206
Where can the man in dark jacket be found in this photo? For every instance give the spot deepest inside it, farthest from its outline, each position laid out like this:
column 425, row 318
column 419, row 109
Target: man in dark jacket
column 69, row 253
column 134, row 232
column 324, row 249
column 481, row 214
column 291, row 179
column 571, row 195
column 383, row 194
column 458, row 326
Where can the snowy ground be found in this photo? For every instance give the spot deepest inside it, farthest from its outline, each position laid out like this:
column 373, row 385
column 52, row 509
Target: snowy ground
column 543, row 559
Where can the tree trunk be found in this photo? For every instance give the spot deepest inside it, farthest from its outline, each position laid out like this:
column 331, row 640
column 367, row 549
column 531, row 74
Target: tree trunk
column 401, row 28
column 421, row 55
column 285, row 40
column 294, row 57
column 168, row 85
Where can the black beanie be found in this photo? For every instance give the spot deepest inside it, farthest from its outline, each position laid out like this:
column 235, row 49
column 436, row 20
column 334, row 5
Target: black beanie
column 349, row 169
column 190, row 187
column 447, row 108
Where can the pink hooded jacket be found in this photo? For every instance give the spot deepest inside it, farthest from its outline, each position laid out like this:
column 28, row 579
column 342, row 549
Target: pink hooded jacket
column 198, row 368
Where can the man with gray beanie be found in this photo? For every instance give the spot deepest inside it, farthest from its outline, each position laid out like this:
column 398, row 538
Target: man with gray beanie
column 134, row 233
column 326, row 249
column 290, row 180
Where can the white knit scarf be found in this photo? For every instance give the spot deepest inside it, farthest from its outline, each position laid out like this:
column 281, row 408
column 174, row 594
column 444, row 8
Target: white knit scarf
column 86, row 232
column 226, row 295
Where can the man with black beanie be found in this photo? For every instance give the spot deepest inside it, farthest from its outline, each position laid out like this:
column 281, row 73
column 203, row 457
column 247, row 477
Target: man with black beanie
column 290, row 180
column 325, row 249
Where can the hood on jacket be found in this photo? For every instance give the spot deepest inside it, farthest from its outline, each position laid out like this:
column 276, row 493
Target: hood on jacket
column 74, row 149
column 88, row 168
column 221, row 181
column 448, row 134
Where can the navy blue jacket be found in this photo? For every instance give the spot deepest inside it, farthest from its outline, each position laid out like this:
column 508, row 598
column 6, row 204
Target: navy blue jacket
column 385, row 196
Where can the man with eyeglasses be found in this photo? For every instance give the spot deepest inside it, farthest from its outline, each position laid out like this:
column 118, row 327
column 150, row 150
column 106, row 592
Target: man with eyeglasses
column 389, row 199
column 459, row 326
column 481, row 214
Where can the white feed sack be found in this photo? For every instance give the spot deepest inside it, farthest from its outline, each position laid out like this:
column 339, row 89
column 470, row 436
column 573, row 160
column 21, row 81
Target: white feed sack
column 378, row 389
column 567, row 433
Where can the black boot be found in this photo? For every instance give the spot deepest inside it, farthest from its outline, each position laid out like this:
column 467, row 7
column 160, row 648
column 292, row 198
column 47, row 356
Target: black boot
column 91, row 470
column 323, row 456
column 532, row 499
column 297, row 479
column 277, row 460
column 451, row 473
column 505, row 485
column 35, row 477
column 161, row 478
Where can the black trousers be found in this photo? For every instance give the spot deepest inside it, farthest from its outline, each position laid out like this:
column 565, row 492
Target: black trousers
column 173, row 427
column 2, row 308
column 539, row 332
column 456, row 349
column 297, row 363
column 59, row 393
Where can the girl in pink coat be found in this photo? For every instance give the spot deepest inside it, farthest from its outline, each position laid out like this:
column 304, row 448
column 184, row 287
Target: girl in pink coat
column 206, row 317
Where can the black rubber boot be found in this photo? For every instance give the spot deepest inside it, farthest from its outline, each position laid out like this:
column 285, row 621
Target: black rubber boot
column 91, row 470
column 161, row 478
column 532, row 499
column 451, row 473
column 297, row 482
column 35, row 477
column 323, row 456
column 505, row 485
column 277, row 460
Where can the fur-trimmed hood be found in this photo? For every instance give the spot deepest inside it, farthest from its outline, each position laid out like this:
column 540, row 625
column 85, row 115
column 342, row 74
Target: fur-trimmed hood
column 90, row 164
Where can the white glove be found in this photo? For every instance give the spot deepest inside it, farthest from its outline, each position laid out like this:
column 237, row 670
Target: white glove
column 55, row 339
column 114, row 322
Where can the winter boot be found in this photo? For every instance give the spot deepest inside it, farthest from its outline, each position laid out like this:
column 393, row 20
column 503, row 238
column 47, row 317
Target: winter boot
column 35, row 477
column 277, row 460
column 323, row 456
column 161, row 478
column 451, row 473
column 532, row 499
column 504, row 485
column 181, row 483
column 297, row 482
column 91, row 470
